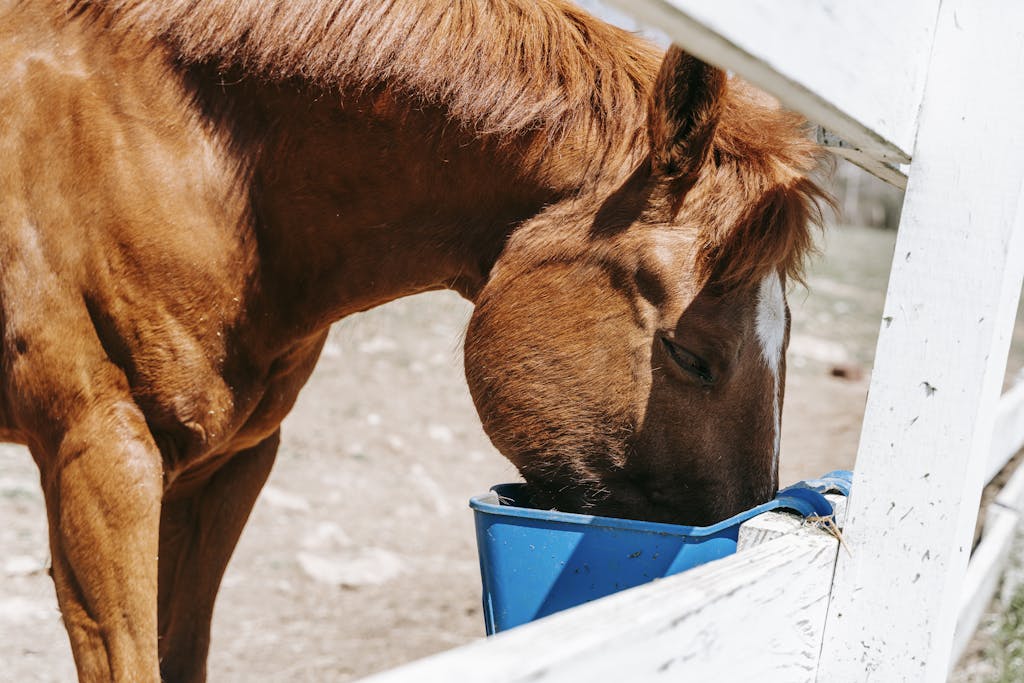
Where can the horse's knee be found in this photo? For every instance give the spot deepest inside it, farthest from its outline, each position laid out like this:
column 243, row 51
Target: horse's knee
column 108, row 455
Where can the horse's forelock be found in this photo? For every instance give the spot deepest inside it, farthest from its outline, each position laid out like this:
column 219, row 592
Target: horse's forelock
column 760, row 201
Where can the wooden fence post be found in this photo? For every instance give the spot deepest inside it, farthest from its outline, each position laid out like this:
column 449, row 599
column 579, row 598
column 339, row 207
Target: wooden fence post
column 941, row 357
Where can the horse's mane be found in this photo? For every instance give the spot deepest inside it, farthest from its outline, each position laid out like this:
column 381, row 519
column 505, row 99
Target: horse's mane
column 492, row 65
column 542, row 68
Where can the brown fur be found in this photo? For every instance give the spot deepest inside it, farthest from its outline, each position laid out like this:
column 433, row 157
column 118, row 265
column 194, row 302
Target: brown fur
column 766, row 198
column 498, row 82
column 192, row 192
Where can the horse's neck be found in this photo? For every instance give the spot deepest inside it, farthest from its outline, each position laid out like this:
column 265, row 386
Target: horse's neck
column 371, row 200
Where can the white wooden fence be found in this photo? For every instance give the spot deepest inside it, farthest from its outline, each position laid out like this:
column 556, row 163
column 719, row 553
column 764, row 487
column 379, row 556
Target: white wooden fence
column 926, row 94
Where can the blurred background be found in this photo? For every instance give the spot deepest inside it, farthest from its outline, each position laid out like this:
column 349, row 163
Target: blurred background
column 360, row 554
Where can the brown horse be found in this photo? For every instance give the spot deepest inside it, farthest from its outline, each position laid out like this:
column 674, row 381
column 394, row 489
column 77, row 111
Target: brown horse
column 191, row 193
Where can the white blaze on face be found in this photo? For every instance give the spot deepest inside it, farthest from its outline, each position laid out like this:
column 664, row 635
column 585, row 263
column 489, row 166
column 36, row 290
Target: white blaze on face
column 771, row 333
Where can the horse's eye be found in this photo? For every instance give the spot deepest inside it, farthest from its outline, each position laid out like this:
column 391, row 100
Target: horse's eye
column 689, row 362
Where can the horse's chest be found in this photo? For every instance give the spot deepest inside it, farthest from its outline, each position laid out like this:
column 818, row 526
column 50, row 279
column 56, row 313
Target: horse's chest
column 230, row 411
column 277, row 396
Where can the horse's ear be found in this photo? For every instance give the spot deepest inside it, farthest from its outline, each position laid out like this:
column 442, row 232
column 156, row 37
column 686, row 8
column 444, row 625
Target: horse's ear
column 684, row 111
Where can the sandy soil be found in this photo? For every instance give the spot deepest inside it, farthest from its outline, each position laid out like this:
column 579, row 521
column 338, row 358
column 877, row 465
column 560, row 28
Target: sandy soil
column 360, row 553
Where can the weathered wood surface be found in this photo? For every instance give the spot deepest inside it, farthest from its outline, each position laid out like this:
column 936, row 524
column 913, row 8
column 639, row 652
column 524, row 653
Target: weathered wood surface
column 767, row 527
column 890, row 172
column 941, row 355
column 856, row 68
column 691, row 625
column 772, row 525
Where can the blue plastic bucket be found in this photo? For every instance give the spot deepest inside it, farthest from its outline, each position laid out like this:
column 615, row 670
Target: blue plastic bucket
column 537, row 562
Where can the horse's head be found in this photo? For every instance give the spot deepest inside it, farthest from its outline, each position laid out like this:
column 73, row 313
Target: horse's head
column 628, row 352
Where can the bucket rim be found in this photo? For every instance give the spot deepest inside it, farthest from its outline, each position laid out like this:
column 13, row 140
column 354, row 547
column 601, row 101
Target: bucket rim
column 489, row 503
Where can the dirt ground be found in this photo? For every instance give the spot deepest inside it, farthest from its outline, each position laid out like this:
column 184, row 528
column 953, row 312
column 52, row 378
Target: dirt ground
column 360, row 553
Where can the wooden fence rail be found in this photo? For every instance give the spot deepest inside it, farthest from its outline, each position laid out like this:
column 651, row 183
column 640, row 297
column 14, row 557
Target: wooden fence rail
column 688, row 624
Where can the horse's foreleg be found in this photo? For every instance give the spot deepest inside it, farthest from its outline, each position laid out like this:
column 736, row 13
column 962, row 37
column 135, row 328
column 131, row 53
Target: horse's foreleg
column 102, row 486
column 197, row 536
